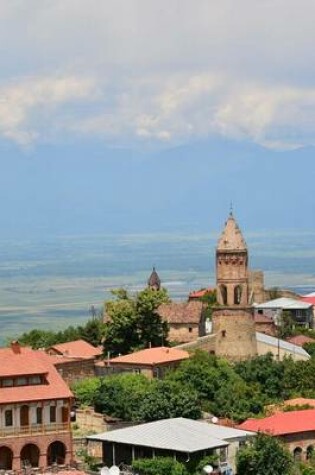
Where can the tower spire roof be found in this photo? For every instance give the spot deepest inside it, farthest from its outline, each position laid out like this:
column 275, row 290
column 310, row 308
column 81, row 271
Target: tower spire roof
column 154, row 281
column 231, row 237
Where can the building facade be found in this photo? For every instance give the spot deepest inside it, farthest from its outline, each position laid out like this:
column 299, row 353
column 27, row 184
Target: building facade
column 35, row 407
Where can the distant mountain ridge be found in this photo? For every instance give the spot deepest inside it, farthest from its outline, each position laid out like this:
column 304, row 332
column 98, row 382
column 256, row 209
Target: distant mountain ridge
column 88, row 187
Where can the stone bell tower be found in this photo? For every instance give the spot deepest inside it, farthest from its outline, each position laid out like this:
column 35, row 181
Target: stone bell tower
column 233, row 321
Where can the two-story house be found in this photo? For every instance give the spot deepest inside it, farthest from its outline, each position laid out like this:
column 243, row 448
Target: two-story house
column 34, row 410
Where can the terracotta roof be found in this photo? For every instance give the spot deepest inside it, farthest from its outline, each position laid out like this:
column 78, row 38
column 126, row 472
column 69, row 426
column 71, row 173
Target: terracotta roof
column 152, row 356
column 186, row 312
column 30, row 362
column 300, row 340
column 263, row 319
column 282, row 423
column 231, row 238
column 300, row 401
column 310, row 299
column 196, row 294
column 76, row 349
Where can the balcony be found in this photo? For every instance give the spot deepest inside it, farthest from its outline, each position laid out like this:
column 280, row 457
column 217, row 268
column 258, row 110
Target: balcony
column 34, row 429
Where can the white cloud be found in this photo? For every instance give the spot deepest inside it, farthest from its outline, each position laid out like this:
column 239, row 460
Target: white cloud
column 29, row 104
column 168, row 71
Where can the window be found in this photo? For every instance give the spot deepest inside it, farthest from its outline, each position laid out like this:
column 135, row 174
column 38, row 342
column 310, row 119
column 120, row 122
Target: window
column 34, row 380
column 237, row 294
column 7, row 382
column 39, row 415
column 52, row 413
column 223, row 333
column 260, row 312
column 190, row 329
column 22, row 381
column 223, row 290
column 8, row 416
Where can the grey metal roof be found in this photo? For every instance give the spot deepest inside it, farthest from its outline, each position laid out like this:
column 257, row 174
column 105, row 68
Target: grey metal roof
column 284, row 303
column 177, row 434
column 283, row 345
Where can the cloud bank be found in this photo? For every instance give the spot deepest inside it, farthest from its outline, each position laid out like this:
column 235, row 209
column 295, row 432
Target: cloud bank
column 166, row 72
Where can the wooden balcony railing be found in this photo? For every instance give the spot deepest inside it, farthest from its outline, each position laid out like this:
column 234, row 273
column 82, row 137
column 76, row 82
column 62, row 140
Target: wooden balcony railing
column 33, row 429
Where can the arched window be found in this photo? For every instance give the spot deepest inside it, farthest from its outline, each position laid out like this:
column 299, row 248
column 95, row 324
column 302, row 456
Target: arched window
column 237, row 294
column 297, row 454
column 223, row 291
column 29, row 456
column 6, row 457
column 310, row 452
column 56, row 453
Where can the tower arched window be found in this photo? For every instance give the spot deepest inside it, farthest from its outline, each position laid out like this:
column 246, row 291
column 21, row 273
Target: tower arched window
column 237, row 294
column 223, row 291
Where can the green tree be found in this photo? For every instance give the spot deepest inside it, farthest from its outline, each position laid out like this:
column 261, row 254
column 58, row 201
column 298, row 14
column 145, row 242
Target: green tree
column 159, row 466
column 310, row 348
column 122, row 395
column 93, row 331
column 264, row 455
column 167, row 399
column 133, row 321
column 37, row 338
column 86, row 391
column 266, row 372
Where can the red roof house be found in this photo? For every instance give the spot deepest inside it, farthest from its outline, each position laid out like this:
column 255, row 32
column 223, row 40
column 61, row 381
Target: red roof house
column 153, row 362
column 74, row 360
column 295, row 428
column 35, row 406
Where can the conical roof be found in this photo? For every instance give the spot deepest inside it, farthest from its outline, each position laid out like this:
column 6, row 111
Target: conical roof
column 231, row 237
column 154, row 280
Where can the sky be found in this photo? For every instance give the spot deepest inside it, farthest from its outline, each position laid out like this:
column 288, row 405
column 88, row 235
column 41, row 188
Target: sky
column 132, row 80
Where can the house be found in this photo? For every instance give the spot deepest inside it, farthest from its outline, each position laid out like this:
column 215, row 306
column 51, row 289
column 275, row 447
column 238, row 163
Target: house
column 279, row 348
column 199, row 294
column 34, row 410
column 264, row 324
column 301, row 312
column 152, row 362
column 185, row 319
column 300, row 340
column 74, row 360
column 181, row 438
column 296, row 429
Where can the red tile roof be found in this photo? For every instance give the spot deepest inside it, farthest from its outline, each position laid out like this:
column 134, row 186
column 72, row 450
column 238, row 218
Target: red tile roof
column 76, row 349
column 196, row 294
column 309, row 300
column 283, row 423
column 187, row 312
column 300, row 340
column 152, row 356
column 30, row 362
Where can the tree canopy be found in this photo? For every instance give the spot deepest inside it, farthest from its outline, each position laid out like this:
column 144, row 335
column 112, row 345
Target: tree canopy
column 264, row 455
column 133, row 322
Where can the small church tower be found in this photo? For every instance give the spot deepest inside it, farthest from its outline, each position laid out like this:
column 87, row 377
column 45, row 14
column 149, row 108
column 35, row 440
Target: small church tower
column 154, row 281
column 233, row 322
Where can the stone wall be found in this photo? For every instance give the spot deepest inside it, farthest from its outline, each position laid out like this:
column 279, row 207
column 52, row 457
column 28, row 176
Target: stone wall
column 183, row 332
column 235, row 333
column 72, row 371
column 256, row 286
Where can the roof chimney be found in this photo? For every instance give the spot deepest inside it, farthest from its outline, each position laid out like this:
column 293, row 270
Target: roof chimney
column 16, row 348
